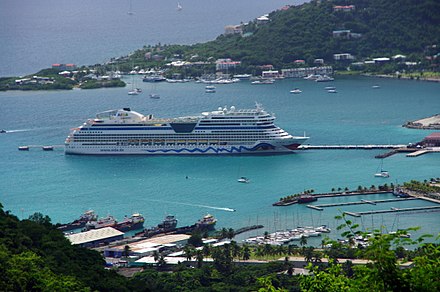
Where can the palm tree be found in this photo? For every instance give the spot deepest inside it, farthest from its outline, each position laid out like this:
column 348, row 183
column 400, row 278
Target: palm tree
column 230, row 233
column 156, row 256
column 266, row 235
column 126, row 251
column 268, row 249
column 199, row 257
column 303, row 241
column 224, row 233
column 206, row 250
column 246, row 252
column 235, row 248
column 189, row 252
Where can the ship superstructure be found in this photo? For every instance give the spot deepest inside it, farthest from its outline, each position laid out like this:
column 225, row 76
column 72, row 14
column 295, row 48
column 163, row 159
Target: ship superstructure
column 224, row 131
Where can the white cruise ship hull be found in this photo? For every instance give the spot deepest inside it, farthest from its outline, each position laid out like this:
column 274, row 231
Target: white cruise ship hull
column 225, row 131
column 260, row 148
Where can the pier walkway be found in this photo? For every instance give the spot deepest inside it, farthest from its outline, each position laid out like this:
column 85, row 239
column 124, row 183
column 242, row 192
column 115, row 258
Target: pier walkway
column 372, row 202
column 359, row 214
column 365, row 147
column 42, row 147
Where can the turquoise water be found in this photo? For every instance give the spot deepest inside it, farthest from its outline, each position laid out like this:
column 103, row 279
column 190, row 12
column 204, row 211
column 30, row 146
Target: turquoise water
column 65, row 186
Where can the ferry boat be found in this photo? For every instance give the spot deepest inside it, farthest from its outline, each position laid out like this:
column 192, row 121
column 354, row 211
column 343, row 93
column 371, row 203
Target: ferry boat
column 206, row 223
column 81, row 222
column 224, row 131
column 134, row 222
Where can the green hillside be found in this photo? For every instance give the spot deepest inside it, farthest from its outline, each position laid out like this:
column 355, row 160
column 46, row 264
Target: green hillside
column 386, row 27
column 318, row 30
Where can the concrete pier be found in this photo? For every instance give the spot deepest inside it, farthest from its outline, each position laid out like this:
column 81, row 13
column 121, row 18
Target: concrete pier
column 315, row 207
column 374, row 202
column 427, row 208
column 364, row 147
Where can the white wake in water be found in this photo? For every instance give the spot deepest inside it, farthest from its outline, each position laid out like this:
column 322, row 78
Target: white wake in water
column 196, row 205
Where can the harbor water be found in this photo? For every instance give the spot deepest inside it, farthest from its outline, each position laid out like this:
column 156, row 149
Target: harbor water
column 63, row 187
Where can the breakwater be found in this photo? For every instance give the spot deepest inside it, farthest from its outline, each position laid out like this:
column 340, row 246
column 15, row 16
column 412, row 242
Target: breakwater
column 393, row 210
column 372, row 202
column 287, row 202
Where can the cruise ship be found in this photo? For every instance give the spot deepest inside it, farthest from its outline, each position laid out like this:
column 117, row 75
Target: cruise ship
column 223, row 131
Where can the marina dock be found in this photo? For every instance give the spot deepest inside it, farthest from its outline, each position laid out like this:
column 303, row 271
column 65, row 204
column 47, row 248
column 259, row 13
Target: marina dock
column 417, row 153
column 359, row 214
column 42, row 147
column 373, row 202
column 342, row 147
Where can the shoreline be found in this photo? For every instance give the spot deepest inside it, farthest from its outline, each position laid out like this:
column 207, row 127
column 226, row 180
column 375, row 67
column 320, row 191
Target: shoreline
column 429, row 123
column 418, row 78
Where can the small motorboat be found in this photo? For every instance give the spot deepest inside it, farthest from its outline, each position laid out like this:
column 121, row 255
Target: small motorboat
column 154, row 96
column 296, row 91
column 210, row 89
column 48, row 148
column 2, row 131
column 243, row 180
column 332, row 91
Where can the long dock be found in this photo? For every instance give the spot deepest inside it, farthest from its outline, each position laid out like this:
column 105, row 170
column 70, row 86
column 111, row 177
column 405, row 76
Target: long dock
column 354, row 146
column 42, row 147
column 392, row 210
column 373, row 202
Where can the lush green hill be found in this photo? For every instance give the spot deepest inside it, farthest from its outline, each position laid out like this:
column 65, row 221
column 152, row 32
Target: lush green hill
column 377, row 28
column 387, row 27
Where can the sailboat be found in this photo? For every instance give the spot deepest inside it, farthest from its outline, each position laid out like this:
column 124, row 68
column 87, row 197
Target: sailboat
column 382, row 173
column 130, row 11
column 134, row 91
column 153, row 94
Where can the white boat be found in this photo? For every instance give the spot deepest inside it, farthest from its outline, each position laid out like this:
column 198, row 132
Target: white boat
column 296, row 91
column 242, row 76
column 265, row 81
column 329, row 87
column 382, row 173
column 375, row 86
column 223, row 131
column 312, row 77
column 332, row 91
column 324, row 78
column 244, row 180
column 210, row 89
column 179, row 7
column 154, row 96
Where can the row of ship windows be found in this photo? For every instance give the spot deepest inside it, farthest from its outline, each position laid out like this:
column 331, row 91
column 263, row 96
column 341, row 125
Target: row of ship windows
column 216, row 134
column 160, row 140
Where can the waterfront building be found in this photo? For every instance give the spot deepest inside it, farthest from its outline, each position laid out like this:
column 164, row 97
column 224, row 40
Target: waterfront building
column 433, row 140
column 226, row 64
column 303, row 72
column 344, row 8
column 233, row 29
column 95, row 237
column 270, row 74
column 343, row 57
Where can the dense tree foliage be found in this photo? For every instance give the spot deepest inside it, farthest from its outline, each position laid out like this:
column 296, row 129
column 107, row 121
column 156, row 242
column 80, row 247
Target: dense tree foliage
column 377, row 28
column 34, row 255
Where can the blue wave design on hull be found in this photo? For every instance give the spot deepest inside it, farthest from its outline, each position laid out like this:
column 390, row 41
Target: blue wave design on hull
column 216, row 150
